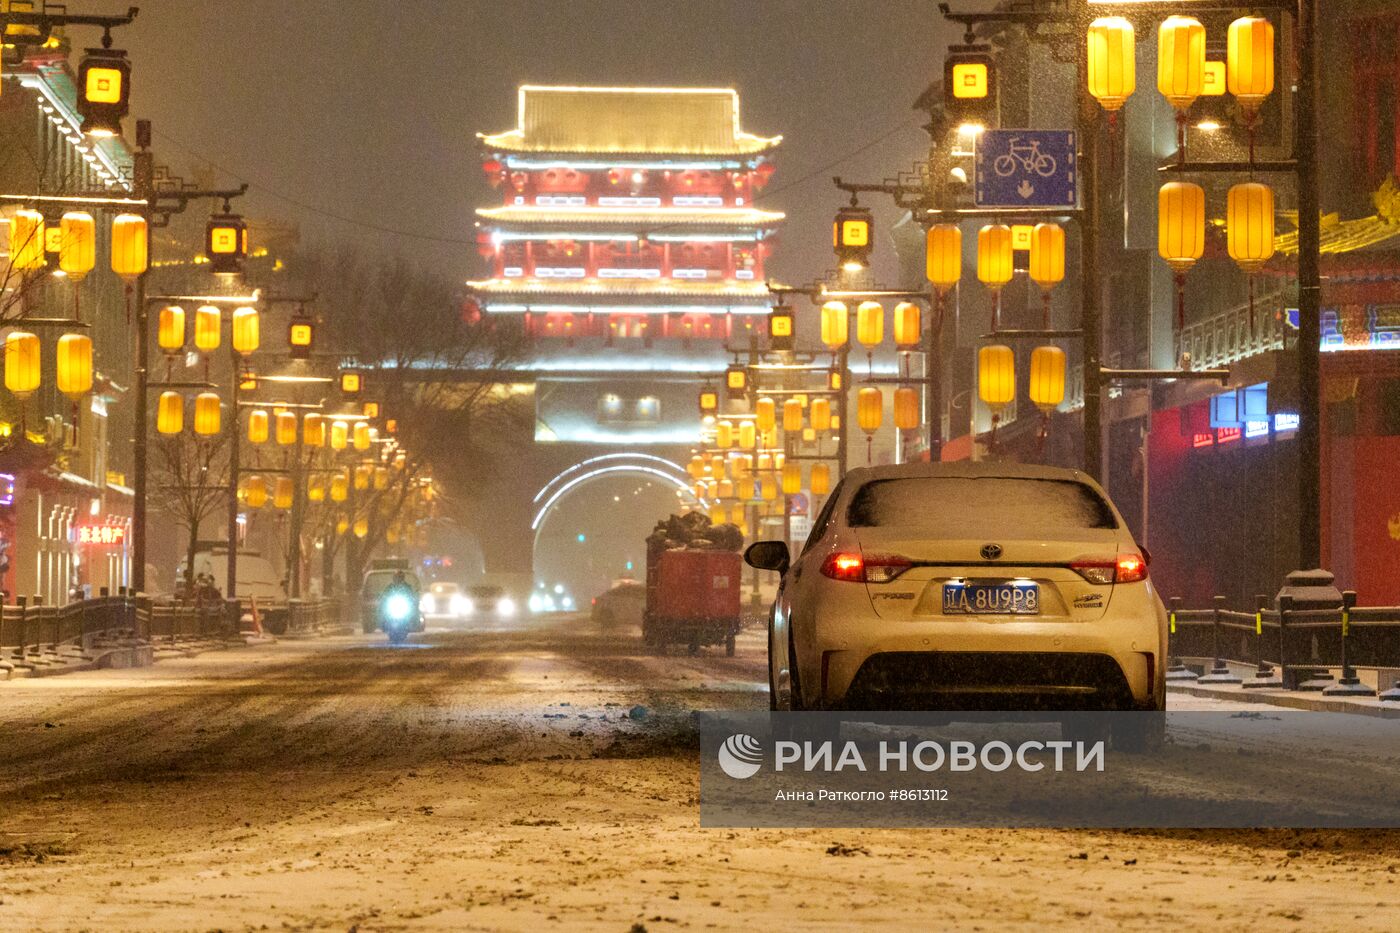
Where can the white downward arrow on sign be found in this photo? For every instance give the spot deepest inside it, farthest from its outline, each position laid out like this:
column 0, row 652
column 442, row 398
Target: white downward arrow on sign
column 1025, row 189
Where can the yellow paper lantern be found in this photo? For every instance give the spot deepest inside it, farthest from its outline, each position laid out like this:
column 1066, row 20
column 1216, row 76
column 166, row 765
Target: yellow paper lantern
column 340, row 487
column 996, row 376
column 768, row 487
column 1249, row 62
column 130, row 254
column 908, row 325
column 245, row 330
column 340, row 435
column 1112, row 62
column 77, row 244
column 27, row 236
column 994, row 256
column 207, row 414
column 255, row 492
column 907, row 416
column 23, row 365
column 74, row 365
column 1047, row 262
column 696, row 467
column 870, row 323
column 792, row 479
column 1249, row 225
column 726, row 489
column 363, row 436
column 740, row 467
column 286, row 428
column 316, row 488
column 258, row 426
column 821, row 414
column 821, row 479
column 766, row 414
column 1047, row 382
column 342, row 525
column 836, row 322
column 1181, row 224
column 361, row 527
column 207, row 326
column 944, row 256
column 313, row 430
column 738, row 514
column 792, row 415
column 170, row 413
column 170, row 330
column 870, row 409
column 724, row 435
column 748, row 435
column 764, row 462
column 381, row 478
column 1181, row 60
column 364, row 475
column 283, row 493
column 717, row 514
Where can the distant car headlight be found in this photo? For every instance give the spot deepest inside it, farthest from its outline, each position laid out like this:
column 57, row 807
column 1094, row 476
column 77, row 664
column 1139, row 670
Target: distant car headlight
column 535, row 603
column 460, row 605
column 425, row 602
column 568, row 604
column 398, row 607
column 505, row 606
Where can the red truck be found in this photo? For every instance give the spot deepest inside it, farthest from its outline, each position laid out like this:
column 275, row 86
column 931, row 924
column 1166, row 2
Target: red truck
column 692, row 596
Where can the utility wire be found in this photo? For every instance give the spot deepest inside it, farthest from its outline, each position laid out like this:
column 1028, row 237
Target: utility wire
column 899, row 126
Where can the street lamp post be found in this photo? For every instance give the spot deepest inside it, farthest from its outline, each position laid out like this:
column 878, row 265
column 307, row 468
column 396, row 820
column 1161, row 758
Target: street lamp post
column 1309, row 292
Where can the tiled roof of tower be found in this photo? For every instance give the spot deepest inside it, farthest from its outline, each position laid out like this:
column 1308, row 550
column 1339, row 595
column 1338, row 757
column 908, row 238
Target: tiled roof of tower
column 669, row 121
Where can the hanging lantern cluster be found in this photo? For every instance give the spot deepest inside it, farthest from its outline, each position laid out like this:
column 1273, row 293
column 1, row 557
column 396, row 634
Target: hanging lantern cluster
column 24, row 364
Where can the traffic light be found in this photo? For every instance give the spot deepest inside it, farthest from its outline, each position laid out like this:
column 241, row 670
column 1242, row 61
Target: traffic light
column 226, row 243
column 301, row 336
column 851, row 236
column 781, row 328
column 970, row 86
column 104, row 91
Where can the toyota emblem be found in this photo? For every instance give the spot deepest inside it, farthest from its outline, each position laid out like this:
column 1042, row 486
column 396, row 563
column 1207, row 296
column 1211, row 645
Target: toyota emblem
column 991, row 551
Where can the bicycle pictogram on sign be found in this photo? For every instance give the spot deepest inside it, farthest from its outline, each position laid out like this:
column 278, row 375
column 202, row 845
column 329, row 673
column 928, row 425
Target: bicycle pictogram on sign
column 1026, row 168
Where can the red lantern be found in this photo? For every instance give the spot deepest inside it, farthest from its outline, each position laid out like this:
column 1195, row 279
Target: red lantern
column 614, row 176
column 519, row 179
column 495, row 172
column 764, row 172
column 485, row 246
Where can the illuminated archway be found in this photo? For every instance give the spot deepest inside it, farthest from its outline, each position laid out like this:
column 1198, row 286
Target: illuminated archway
column 609, row 465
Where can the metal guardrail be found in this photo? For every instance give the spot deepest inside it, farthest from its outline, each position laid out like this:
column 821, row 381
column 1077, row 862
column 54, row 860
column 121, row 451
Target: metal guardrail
column 37, row 635
column 1291, row 649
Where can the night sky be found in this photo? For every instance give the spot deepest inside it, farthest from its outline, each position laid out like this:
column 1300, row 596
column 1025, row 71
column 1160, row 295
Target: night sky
column 367, row 109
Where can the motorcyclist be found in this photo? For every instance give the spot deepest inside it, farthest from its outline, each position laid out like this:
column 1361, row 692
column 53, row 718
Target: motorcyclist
column 399, row 590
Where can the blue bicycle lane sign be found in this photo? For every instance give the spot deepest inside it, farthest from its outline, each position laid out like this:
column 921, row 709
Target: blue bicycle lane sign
column 1026, row 168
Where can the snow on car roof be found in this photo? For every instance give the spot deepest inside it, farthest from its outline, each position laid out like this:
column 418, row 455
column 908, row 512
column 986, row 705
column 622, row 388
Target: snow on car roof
column 966, row 469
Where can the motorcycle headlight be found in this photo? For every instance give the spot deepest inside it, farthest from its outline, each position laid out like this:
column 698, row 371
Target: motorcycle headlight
column 398, row 607
column 505, row 606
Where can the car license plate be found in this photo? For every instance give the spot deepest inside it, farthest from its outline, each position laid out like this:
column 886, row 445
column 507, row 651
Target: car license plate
column 970, row 598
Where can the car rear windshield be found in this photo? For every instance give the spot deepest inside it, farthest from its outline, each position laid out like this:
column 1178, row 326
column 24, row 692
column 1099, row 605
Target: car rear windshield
column 487, row 592
column 968, row 507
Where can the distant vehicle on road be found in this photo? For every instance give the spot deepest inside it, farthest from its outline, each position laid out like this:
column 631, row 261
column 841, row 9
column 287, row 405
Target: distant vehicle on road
column 692, row 589
column 490, row 600
column 257, row 581
column 445, row 599
column 624, row 603
column 967, row 586
column 376, row 581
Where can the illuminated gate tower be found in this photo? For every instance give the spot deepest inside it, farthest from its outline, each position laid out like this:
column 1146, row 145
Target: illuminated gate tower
column 629, row 243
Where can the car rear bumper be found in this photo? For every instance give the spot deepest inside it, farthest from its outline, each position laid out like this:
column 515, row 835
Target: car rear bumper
column 1111, row 663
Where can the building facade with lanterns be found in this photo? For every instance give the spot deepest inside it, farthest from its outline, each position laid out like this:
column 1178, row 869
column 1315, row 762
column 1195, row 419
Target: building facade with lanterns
column 65, row 499
column 1199, row 273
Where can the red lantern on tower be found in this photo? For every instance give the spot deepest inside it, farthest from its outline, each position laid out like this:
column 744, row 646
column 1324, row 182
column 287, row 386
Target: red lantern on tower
column 764, row 173
column 495, row 172
column 519, row 180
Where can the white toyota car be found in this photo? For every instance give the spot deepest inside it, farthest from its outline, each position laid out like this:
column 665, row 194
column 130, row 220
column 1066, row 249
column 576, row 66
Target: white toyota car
column 965, row 586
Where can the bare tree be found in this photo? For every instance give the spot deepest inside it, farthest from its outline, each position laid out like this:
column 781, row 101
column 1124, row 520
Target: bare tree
column 193, row 486
column 432, row 368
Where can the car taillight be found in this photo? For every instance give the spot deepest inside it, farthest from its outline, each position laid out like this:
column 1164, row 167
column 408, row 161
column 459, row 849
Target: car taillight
column 1131, row 568
column 856, row 568
column 844, row 566
column 1128, row 567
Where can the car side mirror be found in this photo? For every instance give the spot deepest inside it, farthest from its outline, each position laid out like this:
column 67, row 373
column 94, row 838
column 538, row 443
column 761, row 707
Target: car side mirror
column 768, row 555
